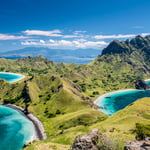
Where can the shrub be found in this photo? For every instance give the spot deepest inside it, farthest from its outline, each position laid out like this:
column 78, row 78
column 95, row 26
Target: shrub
column 142, row 131
column 95, row 93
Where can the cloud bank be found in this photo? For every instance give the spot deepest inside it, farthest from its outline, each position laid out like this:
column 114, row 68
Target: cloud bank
column 11, row 37
column 74, row 44
column 60, row 40
column 119, row 36
column 114, row 36
column 53, row 33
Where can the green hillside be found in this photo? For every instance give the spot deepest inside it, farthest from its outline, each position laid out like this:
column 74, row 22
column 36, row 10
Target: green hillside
column 122, row 124
column 62, row 95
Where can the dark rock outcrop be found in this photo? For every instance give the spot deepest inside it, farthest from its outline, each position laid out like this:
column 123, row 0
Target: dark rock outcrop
column 95, row 140
column 87, row 142
column 141, row 85
column 138, row 145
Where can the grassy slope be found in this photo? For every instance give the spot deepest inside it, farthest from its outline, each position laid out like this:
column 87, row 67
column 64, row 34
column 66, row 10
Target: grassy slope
column 123, row 123
column 60, row 93
column 56, row 101
column 47, row 146
column 124, row 120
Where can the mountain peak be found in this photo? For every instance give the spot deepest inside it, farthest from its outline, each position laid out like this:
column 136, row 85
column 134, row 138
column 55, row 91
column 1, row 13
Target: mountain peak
column 116, row 47
column 128, row 46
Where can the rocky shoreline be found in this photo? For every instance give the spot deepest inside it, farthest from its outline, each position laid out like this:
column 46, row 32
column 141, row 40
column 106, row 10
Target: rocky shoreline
column 39, row 129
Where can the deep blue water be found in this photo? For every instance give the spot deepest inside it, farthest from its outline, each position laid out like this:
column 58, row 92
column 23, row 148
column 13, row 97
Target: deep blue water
column 10, row 77
column 15, row 129
column 111, row 103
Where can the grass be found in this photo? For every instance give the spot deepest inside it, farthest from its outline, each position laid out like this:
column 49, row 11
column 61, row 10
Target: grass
column 124, row 121
column 47, row 146
column 60, row 94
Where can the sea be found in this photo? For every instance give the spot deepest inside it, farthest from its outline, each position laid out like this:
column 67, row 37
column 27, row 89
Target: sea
column 10, row 77
column 15, row 129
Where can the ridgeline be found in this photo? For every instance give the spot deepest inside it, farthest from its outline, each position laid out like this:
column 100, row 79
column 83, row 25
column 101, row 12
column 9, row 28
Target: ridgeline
column 61, row 95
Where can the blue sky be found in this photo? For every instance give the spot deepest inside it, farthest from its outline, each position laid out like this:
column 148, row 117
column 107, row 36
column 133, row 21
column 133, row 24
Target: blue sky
column 71, row 24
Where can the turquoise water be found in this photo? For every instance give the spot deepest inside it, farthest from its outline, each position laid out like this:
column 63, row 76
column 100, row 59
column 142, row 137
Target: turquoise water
column 11, row 77
column 111, row 103
column 148, row 82
column 15, row 129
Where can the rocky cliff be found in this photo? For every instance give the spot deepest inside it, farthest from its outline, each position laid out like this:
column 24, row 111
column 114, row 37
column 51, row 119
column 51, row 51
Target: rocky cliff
column 136, row 44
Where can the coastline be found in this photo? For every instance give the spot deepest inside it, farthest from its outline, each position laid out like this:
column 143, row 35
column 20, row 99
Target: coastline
column 99, row 100
column 147, row 80
column 107, row 94
column 38, row 126
column 21, row 76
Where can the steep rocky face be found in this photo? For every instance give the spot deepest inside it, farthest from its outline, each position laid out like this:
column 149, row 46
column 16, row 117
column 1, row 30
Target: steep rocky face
column 116, row 47
column 141, row 85
column 138, row 145
column 136, row 44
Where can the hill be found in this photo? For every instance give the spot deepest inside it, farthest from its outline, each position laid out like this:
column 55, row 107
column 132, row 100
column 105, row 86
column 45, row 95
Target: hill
column 62, row 95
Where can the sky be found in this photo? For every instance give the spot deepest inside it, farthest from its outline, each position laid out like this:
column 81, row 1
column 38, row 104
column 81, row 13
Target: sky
column 71, row 24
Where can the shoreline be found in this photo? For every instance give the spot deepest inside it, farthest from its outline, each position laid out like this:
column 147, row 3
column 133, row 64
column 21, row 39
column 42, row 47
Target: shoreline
column 147, row 80
column 107, row 94
column 113, row 92
column 98, row 101
column 38, row 126
column 21, row 76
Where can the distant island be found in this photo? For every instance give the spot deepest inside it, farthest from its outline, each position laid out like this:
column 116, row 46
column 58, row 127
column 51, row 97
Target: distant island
column 78, row 56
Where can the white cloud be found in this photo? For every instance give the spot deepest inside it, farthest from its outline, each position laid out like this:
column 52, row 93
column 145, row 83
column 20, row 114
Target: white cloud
column 114, row 36
column 65, row 44
column 53, row 33
column 71, row 36
column 92, row 44
column 119, row 36
column 11, row 37
column 76, row 34
column 52, row 41
column 81, row 40
column 28, row 43
column 42, row 41
column 145, row 34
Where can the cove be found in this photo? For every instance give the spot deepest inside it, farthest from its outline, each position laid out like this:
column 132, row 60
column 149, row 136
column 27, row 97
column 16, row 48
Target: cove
column 15, row 129
column 112, row 102
column 11, row 77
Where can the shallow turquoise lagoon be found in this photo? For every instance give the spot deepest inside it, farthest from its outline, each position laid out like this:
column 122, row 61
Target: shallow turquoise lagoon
column 15, row 129
column 113, row 102
column 11, row 77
